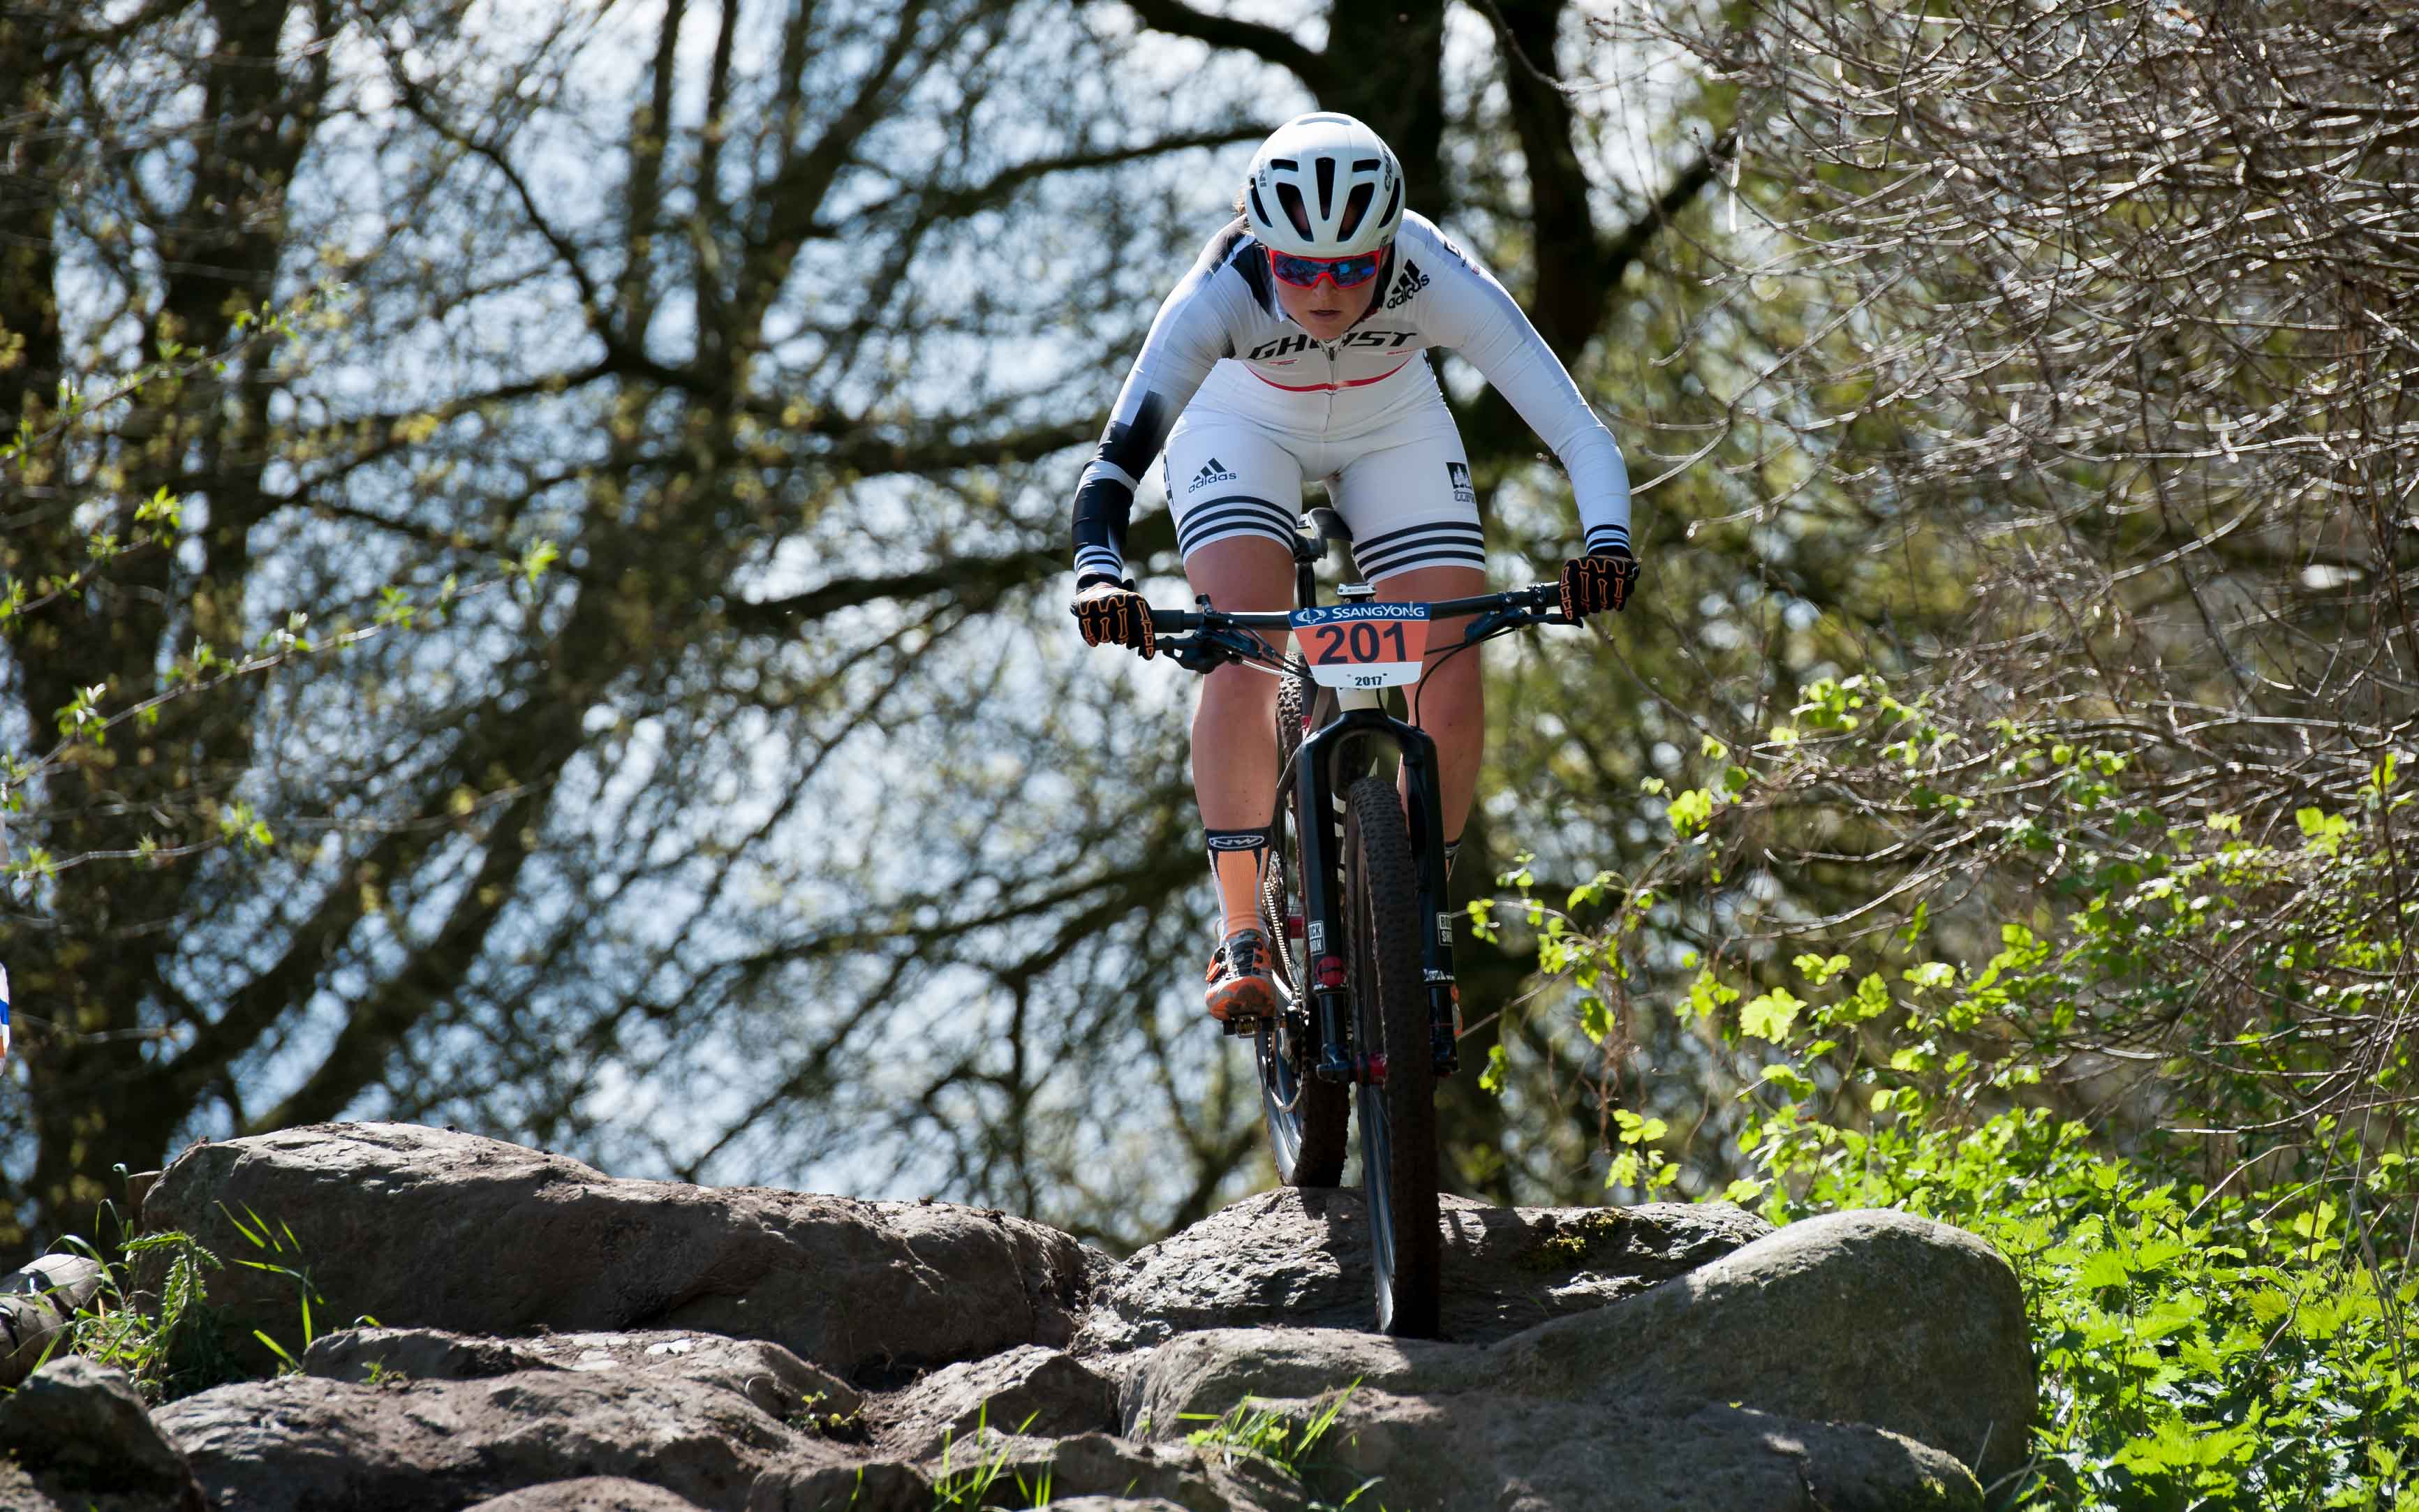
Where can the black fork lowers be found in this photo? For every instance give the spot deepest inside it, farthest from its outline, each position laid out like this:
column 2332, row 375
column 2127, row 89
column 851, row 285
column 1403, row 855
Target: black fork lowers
column 1323, row 755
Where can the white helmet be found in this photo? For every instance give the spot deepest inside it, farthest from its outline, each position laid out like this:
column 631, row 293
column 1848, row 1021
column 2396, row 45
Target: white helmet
column 1324, row 186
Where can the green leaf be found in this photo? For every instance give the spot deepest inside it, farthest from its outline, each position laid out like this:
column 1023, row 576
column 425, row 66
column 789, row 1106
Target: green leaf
column 1768, row 1017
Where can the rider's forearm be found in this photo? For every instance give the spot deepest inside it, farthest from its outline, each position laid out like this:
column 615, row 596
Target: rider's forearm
column 1103, row 505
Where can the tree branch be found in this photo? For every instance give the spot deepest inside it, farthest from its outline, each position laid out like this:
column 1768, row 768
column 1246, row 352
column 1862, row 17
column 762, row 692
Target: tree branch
column 1178, row 19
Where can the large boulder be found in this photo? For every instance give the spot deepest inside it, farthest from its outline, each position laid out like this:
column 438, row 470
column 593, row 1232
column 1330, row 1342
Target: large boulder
column 1480, row 1450
column 433, row 1228
column 1296, row 1258
column 781, row 1385
column 1874, row 1318
column 1868, row 1317
column 301, row 1443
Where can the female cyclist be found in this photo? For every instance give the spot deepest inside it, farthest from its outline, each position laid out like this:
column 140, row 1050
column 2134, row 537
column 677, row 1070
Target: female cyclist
column 1293, row 350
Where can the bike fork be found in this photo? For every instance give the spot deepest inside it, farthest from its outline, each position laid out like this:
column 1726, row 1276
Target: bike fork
column 1323, row 922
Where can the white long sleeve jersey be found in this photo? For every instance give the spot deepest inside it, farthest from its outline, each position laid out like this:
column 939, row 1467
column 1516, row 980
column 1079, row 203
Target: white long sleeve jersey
column 1222, row 335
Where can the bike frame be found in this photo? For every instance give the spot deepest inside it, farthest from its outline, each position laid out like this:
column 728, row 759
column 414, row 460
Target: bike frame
column 1328, row 747
column 1338, row 725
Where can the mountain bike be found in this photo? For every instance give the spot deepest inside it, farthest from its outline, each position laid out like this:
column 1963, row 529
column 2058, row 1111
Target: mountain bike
column 1354, row 900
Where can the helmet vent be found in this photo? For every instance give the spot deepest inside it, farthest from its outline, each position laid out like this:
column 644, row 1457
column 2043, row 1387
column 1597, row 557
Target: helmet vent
column 1394, row 202
column 1289, row 200
column 1364, row 165
column 1287, row 163
column 1325, row 168
column 1260, row 208
column 1356, row 205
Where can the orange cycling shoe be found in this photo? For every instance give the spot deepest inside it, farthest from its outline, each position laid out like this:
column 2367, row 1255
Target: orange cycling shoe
column 1240, row 986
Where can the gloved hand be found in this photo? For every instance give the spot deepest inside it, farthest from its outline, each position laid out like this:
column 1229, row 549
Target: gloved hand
column 1598, row 581
column 1113, row 614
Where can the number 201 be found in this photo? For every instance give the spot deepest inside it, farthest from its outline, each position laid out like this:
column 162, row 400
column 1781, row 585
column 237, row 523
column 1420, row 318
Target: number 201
column 1366, row 642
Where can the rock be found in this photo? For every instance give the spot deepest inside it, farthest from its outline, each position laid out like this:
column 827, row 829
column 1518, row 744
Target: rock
column 427, row 1228
column 1197, row 1377
column 1874, row 1318
column 590, row 1493
column 1113, row 1504
column 1098, row 1464
column 780, row 1384
column 1868, row 1317
column 821, row 1478
column 77, row 1429
column 368, row 1356
column 1300, row 1258
column 36, row 1300
column 1478, row 1450
column 1031, row 1391
column 301, row 1442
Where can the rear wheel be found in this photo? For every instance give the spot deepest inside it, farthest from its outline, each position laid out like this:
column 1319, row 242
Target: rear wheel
column 1307, row 1117
column 1398, row 1147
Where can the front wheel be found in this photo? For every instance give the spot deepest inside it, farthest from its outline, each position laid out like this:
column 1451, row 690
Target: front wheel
column 1397, row 1087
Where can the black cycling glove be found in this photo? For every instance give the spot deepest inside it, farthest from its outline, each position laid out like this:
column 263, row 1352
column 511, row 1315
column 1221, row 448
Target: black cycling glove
column 1598, row 581
column 1113, row 614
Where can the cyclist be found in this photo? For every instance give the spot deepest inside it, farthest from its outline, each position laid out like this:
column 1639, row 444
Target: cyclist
column 1293, row 350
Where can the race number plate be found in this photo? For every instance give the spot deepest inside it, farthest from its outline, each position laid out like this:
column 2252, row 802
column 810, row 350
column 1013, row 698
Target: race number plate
column 1363, row 646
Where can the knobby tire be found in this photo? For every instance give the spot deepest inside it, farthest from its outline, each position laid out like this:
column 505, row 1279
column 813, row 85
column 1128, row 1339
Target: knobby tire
column 1398, row 1137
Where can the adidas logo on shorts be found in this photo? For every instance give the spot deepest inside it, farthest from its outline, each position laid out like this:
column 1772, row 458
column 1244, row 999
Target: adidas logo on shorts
column 1214, row 472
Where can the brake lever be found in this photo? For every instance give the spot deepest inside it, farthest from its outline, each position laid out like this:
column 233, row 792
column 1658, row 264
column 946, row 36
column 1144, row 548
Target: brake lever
column 1495, row 622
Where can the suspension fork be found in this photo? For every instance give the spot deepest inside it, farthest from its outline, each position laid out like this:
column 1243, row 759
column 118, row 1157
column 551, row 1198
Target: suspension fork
column 1324, row 925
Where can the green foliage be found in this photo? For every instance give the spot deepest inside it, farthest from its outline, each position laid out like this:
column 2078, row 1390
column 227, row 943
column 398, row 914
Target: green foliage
column 1253, row 1430
column 2172, row 1088
column 279, row 1254
column 160, row 1330
column 977, row 1486
column 169, row 1353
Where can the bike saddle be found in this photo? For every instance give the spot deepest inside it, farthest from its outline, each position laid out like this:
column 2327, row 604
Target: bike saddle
column 1327, row 525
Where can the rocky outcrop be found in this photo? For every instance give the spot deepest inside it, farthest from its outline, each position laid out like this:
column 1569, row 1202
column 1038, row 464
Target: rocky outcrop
column 1876, row 1317
column 449, row 1230
column 1296, row 1260
column 556, row 1340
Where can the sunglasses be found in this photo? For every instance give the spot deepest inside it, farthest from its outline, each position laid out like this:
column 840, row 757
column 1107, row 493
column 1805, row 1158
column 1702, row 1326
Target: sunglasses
column 1346, row 272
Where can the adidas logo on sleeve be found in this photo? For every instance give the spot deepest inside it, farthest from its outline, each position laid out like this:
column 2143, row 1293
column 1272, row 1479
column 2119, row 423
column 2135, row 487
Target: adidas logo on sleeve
column 1410, row 283
column 1214, row 472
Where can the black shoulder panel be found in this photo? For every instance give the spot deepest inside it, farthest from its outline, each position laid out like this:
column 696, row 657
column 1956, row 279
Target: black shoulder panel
column 1129, row 447
column 1242, row 255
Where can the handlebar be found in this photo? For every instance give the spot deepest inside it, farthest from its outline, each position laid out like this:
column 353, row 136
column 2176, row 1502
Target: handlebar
column 1534, row 596
column 1201, row 639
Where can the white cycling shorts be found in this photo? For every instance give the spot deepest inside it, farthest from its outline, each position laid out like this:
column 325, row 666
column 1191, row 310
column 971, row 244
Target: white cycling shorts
column 1403, row 489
